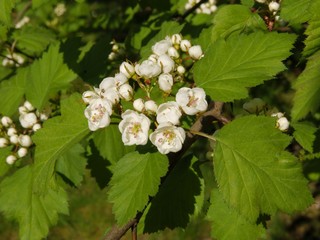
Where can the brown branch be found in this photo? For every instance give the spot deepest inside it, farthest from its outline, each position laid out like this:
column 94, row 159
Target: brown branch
column 214, row 112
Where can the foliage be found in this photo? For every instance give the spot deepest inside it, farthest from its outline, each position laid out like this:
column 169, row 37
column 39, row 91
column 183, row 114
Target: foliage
column 238, row 147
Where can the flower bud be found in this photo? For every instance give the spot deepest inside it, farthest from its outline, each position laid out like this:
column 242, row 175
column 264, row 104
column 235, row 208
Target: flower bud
column 89, row 96
column 165, row 82
column 14, row 139
column 126, row 92
column 161, row 47
column 153, row 58
column 172, row 52
column 6, row 121
column 3, row 142
column 181, row 70
column 23, row 110
column 185, row 45
column 176, row 38
column 12, row 131
column 138, row 104
column 166, row 63
column 148, row 69
column 273, row 6
column 28, row 120
column 278, row 115
column 25, row 140
column 120, row 79
column 28, row 106
column 195, row 52
column 11, row 159
column 22, row 152
column 261, row 1
column 283, row 124
column 127, row 69
column 43, row 117
column 36, row 127
column 151, row 106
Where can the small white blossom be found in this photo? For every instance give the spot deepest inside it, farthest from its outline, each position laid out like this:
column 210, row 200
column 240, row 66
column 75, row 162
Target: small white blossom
column 134, row 128
column 161, row 47
column 36, row 127
column 185, row 45
column 172, row 52
column 6, row 121
column 283, row 124
column 176, row 38
column 168, row 138
column 43, row 117
column 60, row 9
column 150, row 105
column 181, row 70
column 192, row 101
column 3, row 142
column 166, row 63
column 28, row 106
column 127, row 69
column 195, row 52
column 13, row 60
column 12, row 131
column 22, row 152
column 108, row 89
column 23, row 110
column 138, row 104
column 126, row 92
column 153, row 58
column 261, row 1
column 28, row 120
column 165, row 82
column 274, row 6
column 25, row 140
column 120, row 79
column 148, row 69
column 98, row 114
column 11, row 159
column 14, row 139
column 89, row 96
column 169, row 112
column 22, row 22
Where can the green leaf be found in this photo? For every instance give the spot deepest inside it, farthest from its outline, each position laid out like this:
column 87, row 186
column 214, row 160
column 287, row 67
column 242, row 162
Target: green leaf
column 6, row 7
column 230, row 67
column 242, row 20
column 72, row 164
column 12, row 91
column 296, row 11
column 38, row 3
column 167, row 29
column 3, row 33
column 307, row 96
column 304, row 134
column 248, row 3
column 33, row 40
column 47, row 76
column 108, row 142
column 56, row 137
column 4, row 153
column 34, row 213
column 312, row 42
column 254, row 173
column 136, row 177
column 175, row 201
column 227, row 224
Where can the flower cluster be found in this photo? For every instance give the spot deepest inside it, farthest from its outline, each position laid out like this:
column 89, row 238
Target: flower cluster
column 117, row 50
column 274, row 6
column 20, row 141
column 163, row 68
column 13, row 59
column 205, row 8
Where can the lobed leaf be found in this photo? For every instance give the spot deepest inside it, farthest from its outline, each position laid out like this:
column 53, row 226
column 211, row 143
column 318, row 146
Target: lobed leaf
column 6, row 7
column 255, row 175
column 305, row 134
column 228, row 224
column 307, row 96
column 296, row 11
column 4, row 167
column 47, row 76
column 136, row 177
column 231, row 66
column 312, row 41
column 56, row 137
column 34, row 213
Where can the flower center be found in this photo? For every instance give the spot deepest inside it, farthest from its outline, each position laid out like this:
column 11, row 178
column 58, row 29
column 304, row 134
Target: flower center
column 98, row 113
column 135, row 128
column 168, row 137
column 192, row 101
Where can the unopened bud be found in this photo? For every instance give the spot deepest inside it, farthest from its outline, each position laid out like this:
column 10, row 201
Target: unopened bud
column 176, row 38
column 11, row 159
column 165, row 82
column 138, row 104
column 150, row 105
column 126, row 92
column 3, row 142
column 36, row 127
column 283, row 124
column 274, row 6
column 22, row 152
column 28, row 120
column 6, row 121
column 181, row 70
column 12, row 131
column 25, row 140
column 127, row 69
column 166, row 63
column 172, row 52
column 28, row 106
column 195, row 52
column 23, row 110
column 185, row 45
column 14, row 139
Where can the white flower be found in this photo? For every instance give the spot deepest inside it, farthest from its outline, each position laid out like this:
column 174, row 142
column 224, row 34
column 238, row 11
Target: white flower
column 60, row 9
column 36, row 127
column 120, row 79
column 126, row 92
column 28, row 106
column 192, row 101
column 25, row 140
column 89, row 96
column 181, row 70
column 153, row 58
column 195, row 52
column 3, row 142
column 161, row 47
column 22, row 22
column 172, row 52
column 168, row 138
column 138, row 104
column 134, row 128
column 176, row 38
column 169, row 112
column 165, row 82
column 98, row 114
column 166, row 63
column 150, row 105
column 109, row 90
column 43, row 117
column 14, row 139
column 185, row 45
column 11, row 131
column 283, row 124
column 261, row 1
column 22, row 152
column 28, row 120
column 6, row 121
column 22, row 110
column 127, row 69
column 274, row 6
column 148, row 69
column 11, row 159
